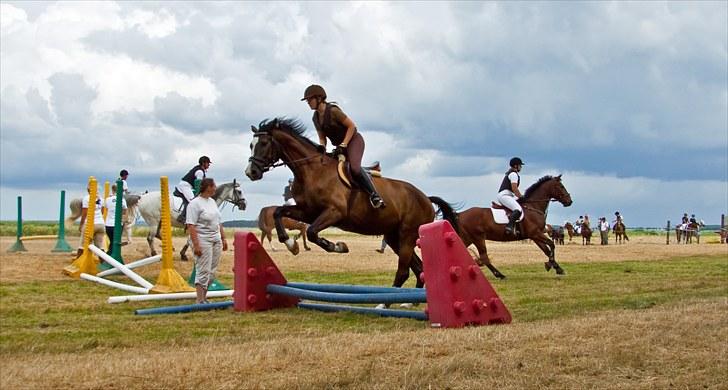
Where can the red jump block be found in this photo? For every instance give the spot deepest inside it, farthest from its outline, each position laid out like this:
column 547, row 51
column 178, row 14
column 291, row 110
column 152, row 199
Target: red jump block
column 458, row 294
column 254, row 270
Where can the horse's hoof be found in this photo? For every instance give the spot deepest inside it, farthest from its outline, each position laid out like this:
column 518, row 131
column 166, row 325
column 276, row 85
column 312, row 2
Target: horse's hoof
column 381, row 306
column 307, row 248
column 406, row 305
column 560, row 271
column 341, row 247
column 547, row 265
column 500, row 276
column 184, row 258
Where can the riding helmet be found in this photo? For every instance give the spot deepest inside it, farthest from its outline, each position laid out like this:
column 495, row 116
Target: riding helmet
column 123, row 173
column 204, row 159
column 516, row 161
column 314, row 91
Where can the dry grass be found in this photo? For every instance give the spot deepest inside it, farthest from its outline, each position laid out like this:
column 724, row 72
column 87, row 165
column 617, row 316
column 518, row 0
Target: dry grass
column 45, row 265
column 667, row 347
column 66, row 336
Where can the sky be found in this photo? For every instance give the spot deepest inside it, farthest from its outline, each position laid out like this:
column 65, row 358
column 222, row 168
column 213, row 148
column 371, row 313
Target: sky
column 627, row 100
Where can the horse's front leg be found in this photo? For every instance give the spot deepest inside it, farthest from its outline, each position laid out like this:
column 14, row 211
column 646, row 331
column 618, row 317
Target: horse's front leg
column 292, row 212
column 328, row 218
column 549, row 249
column 150, row 240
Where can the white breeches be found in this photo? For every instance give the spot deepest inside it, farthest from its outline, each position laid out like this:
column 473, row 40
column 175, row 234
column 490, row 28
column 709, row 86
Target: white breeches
column 506, row 198
column 290, row 202
column 186, row 189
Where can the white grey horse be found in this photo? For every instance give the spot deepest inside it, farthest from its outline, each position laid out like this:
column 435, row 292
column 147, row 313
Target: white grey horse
column 132, row 202
column 150, row 208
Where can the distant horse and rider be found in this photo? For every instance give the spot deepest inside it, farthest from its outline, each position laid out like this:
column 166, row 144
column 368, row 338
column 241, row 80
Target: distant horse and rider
column 689, row 229
column 323, row 199
column 150, row 209
column 478, row 223
column 582, row 230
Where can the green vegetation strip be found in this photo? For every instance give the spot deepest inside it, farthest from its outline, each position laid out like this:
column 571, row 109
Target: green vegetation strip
column 74, row 316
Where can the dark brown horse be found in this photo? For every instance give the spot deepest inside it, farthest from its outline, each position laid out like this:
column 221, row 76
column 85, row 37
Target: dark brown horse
column 620, row 232
column 571, row 230
column 586, row 233
column 266, row 224
column 323, row 200
column 477, row 223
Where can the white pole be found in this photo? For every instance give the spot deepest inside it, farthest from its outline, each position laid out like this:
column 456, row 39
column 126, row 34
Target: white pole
column 155, row 297
column 138, row 279
column 136, row 264
column 120, row 286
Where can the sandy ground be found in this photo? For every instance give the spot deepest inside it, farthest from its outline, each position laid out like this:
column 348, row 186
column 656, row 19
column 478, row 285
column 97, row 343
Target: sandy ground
column 38, row 263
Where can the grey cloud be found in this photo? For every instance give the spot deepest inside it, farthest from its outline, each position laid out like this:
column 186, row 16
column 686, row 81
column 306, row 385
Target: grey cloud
column 71, row 99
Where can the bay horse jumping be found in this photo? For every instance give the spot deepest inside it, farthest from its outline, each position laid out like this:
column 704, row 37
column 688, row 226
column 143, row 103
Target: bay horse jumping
column 477, row 223
column 266, row 224
column 323, row 200
column 620, row 232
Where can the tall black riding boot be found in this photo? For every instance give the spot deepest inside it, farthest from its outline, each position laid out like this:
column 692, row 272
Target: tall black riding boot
column 365, row 182
column 182, row 217
column 515, row 215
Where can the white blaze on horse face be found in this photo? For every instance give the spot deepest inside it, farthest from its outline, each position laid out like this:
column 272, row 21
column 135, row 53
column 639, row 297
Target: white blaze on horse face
column 248, row 170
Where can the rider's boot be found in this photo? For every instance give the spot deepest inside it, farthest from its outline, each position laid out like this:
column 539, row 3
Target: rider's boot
column 515, row 215
column 365, row 182
column 182, row 217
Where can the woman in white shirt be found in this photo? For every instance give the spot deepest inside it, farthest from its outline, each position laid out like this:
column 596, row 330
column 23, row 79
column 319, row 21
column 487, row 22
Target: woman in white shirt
column 98, row 237
column 207, row 235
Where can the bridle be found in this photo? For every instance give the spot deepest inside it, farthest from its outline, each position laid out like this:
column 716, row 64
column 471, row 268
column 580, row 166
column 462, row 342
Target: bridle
column 264, row 166
column 525, row 205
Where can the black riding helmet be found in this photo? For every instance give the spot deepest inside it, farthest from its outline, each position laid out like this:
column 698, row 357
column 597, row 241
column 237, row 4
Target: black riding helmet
column 204, row 159
column 516, row 161
column 123, row 173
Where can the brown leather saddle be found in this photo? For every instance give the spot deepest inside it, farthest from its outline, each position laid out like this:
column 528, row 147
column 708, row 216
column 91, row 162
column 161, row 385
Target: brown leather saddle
column 374, row 170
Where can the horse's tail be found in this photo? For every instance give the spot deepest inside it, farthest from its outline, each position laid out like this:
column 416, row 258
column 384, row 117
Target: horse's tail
column 447, row 210
column 75, row 206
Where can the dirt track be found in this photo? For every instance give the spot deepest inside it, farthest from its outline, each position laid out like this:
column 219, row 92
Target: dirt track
column 39, row 264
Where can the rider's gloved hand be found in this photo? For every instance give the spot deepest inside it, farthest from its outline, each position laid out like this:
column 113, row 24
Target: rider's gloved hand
column 341, row 149
column 321, row 149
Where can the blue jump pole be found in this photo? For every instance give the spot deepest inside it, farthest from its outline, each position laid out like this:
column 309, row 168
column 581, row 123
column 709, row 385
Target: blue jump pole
column 184, row 308
column 347, row 288
column 405, row 297
column 417, row 315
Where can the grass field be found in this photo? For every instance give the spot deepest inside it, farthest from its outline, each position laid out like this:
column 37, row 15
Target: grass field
column 641, row 315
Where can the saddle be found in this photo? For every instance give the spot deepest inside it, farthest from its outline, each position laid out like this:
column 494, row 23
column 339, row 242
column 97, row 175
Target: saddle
column 344, row 169
column 499, row 206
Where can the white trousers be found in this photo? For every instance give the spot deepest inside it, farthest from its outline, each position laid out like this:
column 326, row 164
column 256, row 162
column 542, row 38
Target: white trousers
column 506, row 198
column 206, row 265
column 186, row 189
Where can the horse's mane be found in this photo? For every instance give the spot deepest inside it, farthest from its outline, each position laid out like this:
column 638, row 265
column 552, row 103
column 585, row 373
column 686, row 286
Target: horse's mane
column 535, row 186
column 294, row 127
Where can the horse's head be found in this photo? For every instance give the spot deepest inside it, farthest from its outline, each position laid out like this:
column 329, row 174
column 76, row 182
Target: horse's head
column 560, row 193
column 231, row 192
column 264, row 152
column 547, row 188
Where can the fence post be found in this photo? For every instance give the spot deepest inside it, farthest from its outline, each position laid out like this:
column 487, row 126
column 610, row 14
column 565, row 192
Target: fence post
column 722, row 229
column 18, row 246
column 61, row 244
column 668, row 232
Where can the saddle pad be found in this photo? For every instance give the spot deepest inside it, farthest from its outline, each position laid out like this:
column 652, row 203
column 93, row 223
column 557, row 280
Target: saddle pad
column 500, row 217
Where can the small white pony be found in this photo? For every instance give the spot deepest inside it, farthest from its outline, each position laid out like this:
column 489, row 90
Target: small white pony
column 150, row 209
